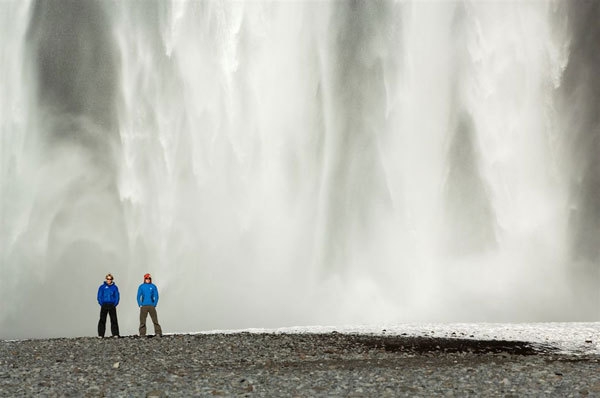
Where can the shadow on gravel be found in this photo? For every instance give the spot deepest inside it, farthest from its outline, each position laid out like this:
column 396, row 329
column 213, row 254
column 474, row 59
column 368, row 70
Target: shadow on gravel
column 421, row 345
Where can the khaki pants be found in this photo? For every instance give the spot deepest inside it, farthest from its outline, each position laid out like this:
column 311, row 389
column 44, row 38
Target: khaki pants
column 144, row 310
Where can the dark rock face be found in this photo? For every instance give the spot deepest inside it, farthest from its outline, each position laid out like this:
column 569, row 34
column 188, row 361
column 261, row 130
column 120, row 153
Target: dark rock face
column 247, row 364
column 580, row 92
column 76, row 60
column 469, row 213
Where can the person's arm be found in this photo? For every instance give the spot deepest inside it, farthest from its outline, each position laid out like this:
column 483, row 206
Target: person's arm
column 139, row 296
column 99, row 296
column 117, row 296
column 156, row 302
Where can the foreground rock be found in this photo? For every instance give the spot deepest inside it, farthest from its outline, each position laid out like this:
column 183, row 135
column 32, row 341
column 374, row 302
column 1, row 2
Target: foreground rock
column 303, row 365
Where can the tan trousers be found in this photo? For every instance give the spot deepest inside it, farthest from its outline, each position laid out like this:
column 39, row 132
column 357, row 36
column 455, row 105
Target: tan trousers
column 144, row 310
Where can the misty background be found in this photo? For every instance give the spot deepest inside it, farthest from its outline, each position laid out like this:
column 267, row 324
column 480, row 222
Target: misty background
column 298, row 163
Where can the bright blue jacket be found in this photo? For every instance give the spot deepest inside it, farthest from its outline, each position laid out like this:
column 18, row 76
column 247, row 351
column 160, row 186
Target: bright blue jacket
column 108, row 294
column 147, row 294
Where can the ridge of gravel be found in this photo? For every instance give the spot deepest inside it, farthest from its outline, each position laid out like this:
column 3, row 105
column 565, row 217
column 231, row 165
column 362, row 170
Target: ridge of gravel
column 286, row 364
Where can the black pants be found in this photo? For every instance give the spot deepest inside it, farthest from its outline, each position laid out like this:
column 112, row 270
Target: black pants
column 111, row 310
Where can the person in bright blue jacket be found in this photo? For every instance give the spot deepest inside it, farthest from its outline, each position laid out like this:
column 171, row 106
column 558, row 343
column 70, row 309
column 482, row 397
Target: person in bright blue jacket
column 108, row 298
column 147, row 299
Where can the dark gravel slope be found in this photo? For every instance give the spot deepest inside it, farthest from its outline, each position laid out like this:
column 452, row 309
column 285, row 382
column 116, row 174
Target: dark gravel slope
column 304, row 365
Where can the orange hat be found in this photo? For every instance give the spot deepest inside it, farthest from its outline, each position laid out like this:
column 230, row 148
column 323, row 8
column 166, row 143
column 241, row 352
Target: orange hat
column 147, row 276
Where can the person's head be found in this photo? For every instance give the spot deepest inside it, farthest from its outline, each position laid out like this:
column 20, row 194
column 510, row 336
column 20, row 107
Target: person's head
column 147, row 278
column 109, row 278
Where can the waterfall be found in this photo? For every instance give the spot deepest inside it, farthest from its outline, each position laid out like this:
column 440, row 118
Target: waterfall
column 295, row 163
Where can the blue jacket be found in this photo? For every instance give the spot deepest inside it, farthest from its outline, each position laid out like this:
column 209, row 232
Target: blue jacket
column 108, row 294
column 147, row 294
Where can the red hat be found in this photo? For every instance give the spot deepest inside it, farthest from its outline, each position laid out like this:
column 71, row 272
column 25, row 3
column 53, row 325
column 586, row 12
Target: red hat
column 147, row 276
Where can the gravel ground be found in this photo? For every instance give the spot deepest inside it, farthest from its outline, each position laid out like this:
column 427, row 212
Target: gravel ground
column 303, row 365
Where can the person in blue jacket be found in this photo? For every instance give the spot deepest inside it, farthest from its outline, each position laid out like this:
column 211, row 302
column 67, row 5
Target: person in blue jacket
column 147, row 299
column 108, row 298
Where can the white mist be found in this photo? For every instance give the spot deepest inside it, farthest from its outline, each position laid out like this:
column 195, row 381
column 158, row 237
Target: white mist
column 276, row 164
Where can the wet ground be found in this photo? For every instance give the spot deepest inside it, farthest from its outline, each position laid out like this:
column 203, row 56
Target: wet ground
column 303, row 365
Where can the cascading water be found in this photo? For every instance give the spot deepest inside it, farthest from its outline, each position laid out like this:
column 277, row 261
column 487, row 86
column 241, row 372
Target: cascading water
column 296, row 163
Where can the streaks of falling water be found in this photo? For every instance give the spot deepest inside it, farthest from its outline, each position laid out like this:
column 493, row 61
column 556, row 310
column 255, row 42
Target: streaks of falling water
column 297, row 163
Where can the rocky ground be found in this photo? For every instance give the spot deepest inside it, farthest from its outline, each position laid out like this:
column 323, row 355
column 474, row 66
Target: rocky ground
column 302, row 365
